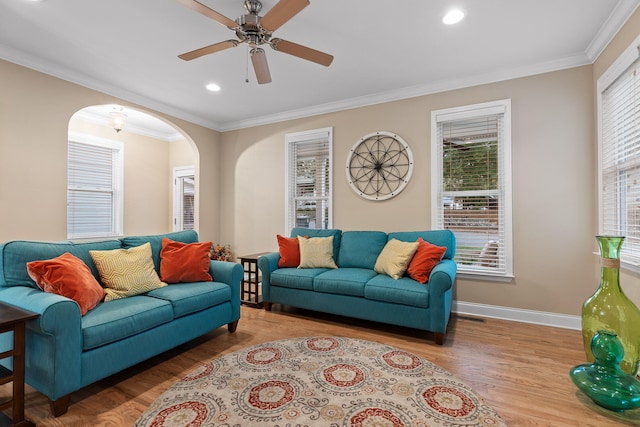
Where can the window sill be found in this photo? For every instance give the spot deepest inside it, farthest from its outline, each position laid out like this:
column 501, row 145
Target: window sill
column 94, row 239
column 485, row 277
column 630, row 267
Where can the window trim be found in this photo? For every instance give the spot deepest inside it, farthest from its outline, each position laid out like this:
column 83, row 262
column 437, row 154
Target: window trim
column 615, row 70
column 301, row 137
column 178, row 202
column 470, row 111
column 118, row 190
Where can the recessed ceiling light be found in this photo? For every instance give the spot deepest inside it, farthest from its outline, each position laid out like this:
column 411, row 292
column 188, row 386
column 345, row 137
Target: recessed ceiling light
column 213, row 87
column 453, row 16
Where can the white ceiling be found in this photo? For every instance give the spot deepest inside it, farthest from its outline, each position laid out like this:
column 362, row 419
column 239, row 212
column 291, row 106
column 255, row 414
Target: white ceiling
column 383, row 50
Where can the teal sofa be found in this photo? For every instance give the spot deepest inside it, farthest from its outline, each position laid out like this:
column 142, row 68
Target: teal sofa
column 66, row 351
column 354, row 289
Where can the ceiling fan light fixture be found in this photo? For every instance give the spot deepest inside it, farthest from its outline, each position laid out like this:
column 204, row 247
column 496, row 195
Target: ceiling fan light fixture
column 453, row 17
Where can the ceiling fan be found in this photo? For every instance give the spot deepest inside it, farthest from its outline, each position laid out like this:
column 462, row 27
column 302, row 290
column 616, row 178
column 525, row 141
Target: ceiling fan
column 256, row 30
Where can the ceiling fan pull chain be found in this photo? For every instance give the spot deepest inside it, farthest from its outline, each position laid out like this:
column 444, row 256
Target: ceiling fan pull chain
column 246, row 78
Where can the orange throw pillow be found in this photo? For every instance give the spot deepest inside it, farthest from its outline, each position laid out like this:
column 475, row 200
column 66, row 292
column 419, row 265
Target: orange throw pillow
column 289, row 251
column 426, row 257
column 184, row 262
column 69, row 276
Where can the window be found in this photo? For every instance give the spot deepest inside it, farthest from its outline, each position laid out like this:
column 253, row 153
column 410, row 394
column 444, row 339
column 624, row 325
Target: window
column 619, row 153
column 308, row 179
column 183, row 198
column 94, row 187
column 471, row 179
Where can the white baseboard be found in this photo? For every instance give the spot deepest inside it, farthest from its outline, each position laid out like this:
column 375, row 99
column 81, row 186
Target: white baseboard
column 517, row 315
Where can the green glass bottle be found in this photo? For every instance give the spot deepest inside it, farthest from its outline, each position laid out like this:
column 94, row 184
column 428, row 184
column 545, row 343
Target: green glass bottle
column 609, row 309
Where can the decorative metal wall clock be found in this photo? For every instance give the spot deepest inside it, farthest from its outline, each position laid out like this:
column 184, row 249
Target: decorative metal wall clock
column 379, row 165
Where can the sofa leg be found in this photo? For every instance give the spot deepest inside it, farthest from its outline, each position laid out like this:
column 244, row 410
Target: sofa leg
column 60, row 406
column 267, row 305
column 438, row 338
column 233, row 326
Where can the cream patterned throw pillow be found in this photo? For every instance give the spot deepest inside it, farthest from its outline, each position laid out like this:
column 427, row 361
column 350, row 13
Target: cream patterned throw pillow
column 126, row 272
column 395, row 257
column 316, row 252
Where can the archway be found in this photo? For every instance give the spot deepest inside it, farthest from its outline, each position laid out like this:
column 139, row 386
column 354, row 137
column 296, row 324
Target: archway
column 152, row 149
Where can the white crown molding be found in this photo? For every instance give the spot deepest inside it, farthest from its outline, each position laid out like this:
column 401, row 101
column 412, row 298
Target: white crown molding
column 623, row 10
column 412, row 92
column 619, row 16
column 102, row 120
column 564, row 321
column 64, row 73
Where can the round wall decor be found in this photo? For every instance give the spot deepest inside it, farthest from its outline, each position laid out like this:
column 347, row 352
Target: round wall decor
column 379, row 165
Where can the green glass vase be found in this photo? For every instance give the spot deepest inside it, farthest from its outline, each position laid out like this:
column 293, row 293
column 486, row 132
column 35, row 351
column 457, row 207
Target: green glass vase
column 603, row 381
column 609, row 309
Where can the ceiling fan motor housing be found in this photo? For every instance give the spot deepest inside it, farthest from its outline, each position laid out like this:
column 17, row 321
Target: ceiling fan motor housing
column 249, row 30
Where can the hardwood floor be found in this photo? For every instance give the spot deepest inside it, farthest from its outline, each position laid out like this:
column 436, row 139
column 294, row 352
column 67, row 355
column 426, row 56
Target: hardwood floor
column 521, row 370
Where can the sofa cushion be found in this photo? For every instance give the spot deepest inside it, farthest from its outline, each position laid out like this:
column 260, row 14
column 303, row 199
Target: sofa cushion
column 313, row 232
column 185, row 262
column 343, row 281
column 15, row 254
column 435, row 237
column 295, row 277
column 115, row 320
column 187, row 298
column 360, row 249
column 126, row 272
column 402, row 291
column 394, row 258
column 316, row 252
column 186, row 236
column 69, row 276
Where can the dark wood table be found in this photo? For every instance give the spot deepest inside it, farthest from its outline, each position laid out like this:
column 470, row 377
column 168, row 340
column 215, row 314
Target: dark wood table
column 13, row 319
column 250, row 287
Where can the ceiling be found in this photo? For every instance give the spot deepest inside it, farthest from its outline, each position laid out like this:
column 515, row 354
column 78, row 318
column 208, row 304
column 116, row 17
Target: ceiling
column 384, row 50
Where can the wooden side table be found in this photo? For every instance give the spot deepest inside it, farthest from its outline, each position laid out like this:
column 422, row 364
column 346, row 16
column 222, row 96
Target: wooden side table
column 13, row 319
column 250, row 291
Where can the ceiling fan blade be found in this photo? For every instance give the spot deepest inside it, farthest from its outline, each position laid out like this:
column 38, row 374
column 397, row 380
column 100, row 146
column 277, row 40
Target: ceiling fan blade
column 281, row 13
column 302, row 52
column 188, row 56
column 260, row 66
column 206, row 11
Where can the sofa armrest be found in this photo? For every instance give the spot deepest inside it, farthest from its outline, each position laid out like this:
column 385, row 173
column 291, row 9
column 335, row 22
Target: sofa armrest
column 268, row 263
column 440, row 285
column 444, row 273
column 230, row 273
column 53, row 340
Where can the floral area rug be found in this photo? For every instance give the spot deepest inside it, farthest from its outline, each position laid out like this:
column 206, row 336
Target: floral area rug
column 320, row 381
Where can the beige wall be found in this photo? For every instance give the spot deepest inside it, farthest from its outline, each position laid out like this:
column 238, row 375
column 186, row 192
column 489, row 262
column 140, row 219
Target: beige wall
column 630, row 281
column 35, row 110
column 553, row 159
column 146, row 172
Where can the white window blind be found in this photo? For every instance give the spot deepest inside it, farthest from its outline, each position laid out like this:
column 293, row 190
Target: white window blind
column 94, row 188
column 619, row 153
column 471, row 156
column 309, row 179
